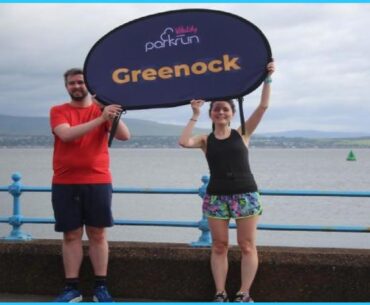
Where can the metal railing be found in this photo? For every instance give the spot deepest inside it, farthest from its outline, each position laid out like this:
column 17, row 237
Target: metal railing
column 17, row 219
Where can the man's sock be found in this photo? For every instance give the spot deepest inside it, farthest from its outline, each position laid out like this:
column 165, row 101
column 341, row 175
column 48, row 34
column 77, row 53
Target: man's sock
column 72, row 283
column 100, row 281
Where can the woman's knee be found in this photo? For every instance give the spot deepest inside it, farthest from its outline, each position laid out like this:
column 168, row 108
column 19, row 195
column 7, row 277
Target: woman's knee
column 247, row 247
column 220, row 247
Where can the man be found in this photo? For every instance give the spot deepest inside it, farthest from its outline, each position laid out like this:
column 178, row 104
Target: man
column 82, row 183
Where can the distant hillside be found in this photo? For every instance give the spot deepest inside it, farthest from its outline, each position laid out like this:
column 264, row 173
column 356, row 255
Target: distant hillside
column 314, row 134
column 12, row 125
column 39, row 126
column 35, row 132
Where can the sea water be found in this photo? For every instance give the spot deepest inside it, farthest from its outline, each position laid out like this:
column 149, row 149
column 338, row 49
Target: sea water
column 277, row 169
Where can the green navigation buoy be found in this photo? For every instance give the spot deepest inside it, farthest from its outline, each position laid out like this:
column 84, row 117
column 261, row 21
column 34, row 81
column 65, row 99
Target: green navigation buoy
column 351, row 156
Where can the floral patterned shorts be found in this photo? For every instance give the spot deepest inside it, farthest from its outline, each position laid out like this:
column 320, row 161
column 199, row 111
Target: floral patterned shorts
column 232, row 206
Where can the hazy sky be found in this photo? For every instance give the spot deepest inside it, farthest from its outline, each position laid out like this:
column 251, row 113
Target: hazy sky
column 322, row 53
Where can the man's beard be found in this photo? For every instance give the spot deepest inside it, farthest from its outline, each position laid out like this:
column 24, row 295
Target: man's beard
column 78, row 97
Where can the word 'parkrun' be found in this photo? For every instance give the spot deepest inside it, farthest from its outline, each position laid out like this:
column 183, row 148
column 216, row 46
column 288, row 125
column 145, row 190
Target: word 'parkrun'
column 173, row 37
column 123, row 75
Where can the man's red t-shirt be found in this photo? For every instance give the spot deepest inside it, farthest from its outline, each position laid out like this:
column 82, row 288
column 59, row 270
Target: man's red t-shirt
column 86, row 159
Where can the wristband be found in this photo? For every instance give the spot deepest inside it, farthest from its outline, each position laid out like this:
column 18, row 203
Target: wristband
column 268, row 80
column 194, row 120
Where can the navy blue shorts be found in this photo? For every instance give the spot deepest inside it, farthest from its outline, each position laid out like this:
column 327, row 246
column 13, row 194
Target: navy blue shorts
column 76, row 205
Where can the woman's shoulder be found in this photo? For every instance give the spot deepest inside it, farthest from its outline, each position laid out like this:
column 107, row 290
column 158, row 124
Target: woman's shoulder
column 208, row 136
column 205, row 137
column 245, row 138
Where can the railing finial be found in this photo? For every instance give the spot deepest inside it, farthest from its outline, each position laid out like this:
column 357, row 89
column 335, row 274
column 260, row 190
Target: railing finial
column 16, row 220
column 16, row 176
column 205, row 237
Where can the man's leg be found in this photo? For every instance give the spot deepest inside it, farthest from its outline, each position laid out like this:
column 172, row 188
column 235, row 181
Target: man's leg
column 98, row 249
column 72, row 259
column 72, row 252
column 98, row 216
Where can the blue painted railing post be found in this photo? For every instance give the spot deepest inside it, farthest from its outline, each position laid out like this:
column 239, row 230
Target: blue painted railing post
column 15, row 189
column 205, row 237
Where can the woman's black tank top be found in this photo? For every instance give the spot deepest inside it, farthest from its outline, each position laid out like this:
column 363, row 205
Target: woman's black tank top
column 228, row 164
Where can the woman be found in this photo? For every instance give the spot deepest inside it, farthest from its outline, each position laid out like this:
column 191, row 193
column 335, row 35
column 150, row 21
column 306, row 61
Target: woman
column 232, row 191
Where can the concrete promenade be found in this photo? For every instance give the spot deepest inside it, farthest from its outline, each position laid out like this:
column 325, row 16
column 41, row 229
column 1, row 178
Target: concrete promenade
column 178, row 272
column 8, row 297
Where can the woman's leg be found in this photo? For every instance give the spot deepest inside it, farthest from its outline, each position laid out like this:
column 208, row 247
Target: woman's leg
column 220, row 243
column 246, row 234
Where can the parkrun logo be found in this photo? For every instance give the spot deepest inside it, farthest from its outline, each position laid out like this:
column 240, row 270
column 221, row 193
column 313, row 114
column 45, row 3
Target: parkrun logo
column 173, row 37
column 123, row 75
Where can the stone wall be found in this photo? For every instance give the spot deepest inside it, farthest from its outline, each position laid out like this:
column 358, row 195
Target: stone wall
column 178, row 272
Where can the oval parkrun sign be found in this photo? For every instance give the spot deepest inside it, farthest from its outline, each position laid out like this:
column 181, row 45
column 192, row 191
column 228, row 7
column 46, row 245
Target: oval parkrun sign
column 167, row 59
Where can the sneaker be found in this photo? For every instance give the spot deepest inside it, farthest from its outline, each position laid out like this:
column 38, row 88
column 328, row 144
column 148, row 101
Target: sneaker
column 101, row 294
column 221, row 297
column 243, row 297
column 69, row 295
